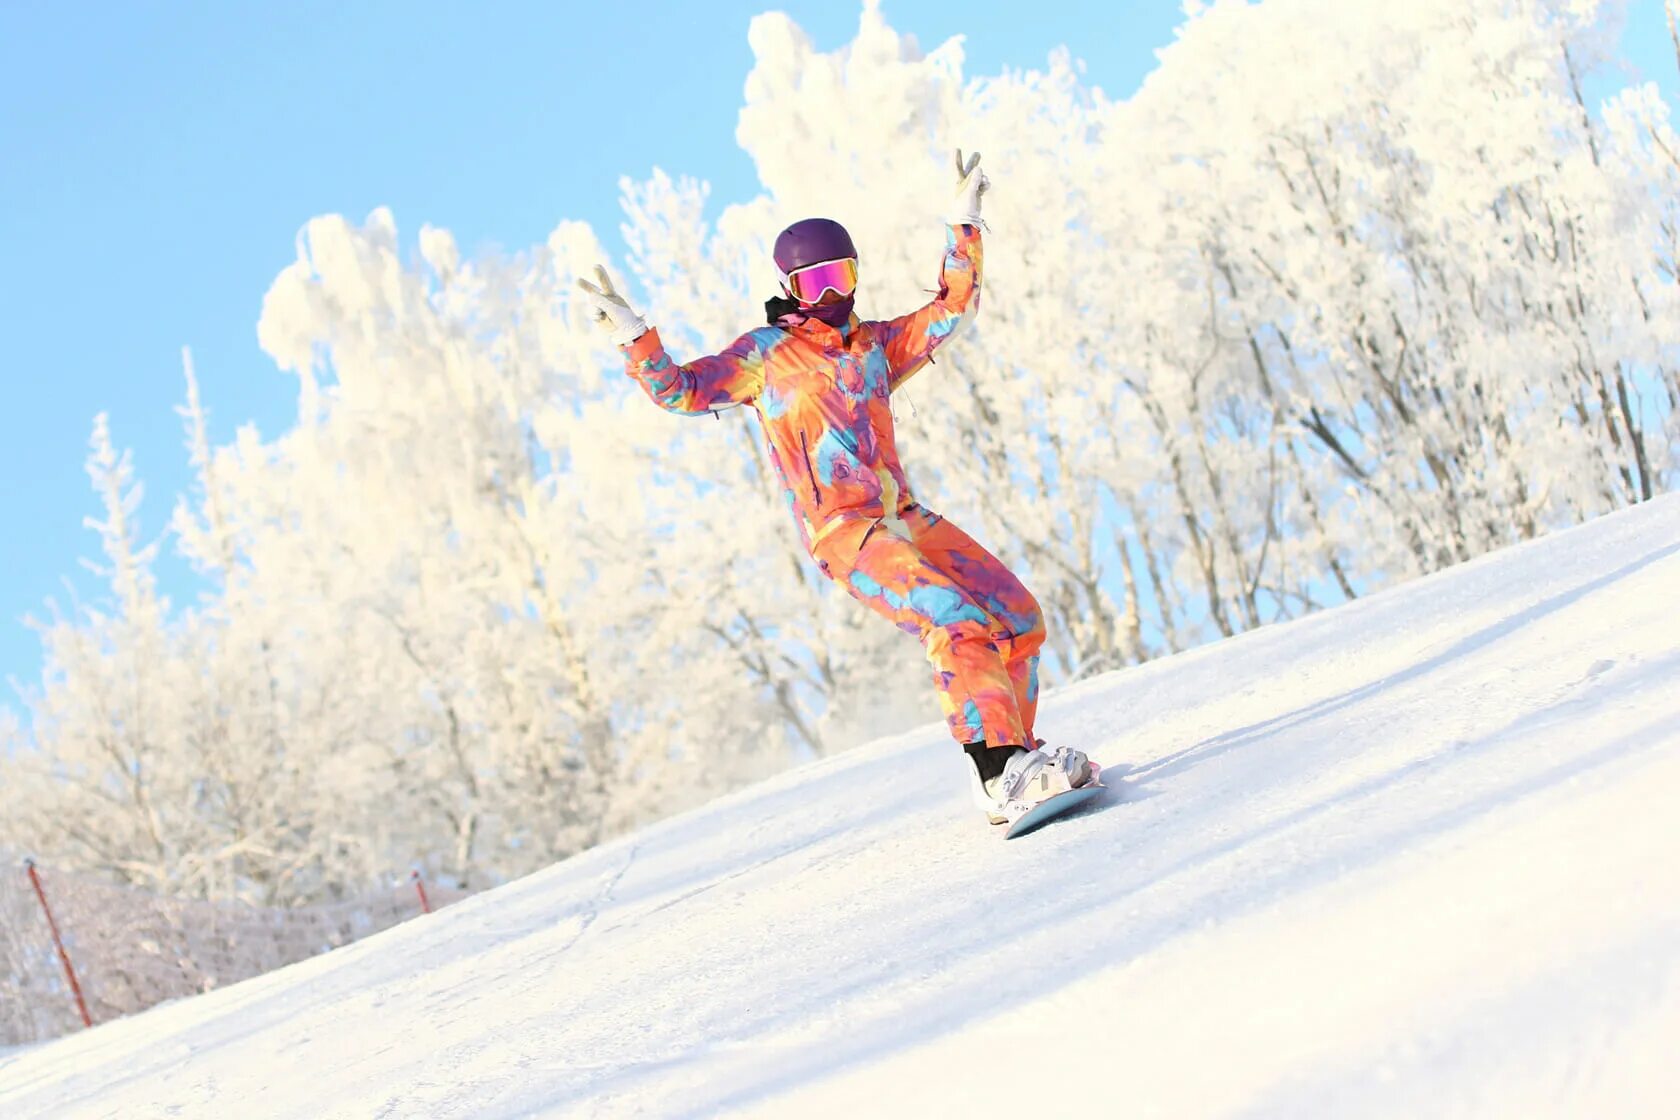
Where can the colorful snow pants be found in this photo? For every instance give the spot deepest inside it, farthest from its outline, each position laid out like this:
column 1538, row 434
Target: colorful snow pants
column 980, row 626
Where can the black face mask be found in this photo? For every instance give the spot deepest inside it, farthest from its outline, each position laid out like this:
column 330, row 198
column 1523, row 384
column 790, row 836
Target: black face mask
column 777, row 306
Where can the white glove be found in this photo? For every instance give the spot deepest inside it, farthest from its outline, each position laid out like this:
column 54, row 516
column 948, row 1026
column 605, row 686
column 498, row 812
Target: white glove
column 612, row 311
column 971, row 184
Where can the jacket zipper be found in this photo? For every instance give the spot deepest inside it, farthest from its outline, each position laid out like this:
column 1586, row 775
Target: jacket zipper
column 805, row 453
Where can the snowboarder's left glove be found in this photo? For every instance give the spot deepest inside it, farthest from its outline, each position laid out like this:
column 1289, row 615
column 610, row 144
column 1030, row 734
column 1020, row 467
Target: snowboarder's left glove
column 612, row 311
column 971, row 184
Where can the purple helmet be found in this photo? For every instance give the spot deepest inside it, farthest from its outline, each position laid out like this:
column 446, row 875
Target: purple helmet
column 811, row 241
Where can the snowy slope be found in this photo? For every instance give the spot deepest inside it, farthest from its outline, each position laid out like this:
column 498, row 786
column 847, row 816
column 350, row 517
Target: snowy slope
column 1414, row 856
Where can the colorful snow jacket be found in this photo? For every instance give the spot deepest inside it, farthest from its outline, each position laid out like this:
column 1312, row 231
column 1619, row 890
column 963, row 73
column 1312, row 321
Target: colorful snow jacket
column 821, row 398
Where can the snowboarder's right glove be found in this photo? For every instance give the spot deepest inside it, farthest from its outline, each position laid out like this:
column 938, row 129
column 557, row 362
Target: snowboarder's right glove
column 612, row 311
column 971, row 184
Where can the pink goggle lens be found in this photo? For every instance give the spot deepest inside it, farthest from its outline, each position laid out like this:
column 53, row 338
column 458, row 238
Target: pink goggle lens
column 809, row 283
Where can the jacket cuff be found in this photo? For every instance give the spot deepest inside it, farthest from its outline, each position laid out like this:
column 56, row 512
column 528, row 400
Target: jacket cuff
column 643, row 346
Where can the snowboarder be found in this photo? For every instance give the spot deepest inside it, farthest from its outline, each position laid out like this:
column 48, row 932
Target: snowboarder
column 819, row 379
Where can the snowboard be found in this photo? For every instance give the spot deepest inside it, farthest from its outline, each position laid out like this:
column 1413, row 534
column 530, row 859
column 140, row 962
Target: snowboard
column 1051, row 808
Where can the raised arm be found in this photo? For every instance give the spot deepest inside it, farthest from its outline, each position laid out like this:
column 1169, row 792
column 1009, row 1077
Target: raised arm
column 733, row 376
column 911, row 339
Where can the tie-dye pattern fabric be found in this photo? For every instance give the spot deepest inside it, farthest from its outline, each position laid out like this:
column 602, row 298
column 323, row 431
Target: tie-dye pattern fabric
column 981, row 628
column 821, row 397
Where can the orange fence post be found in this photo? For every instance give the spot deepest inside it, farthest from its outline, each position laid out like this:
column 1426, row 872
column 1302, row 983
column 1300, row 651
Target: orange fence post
column 58, row 943
column 420, row 885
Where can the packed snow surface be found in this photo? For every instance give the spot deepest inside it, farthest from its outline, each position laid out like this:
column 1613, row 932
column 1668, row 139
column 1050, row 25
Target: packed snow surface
column 1414, row 856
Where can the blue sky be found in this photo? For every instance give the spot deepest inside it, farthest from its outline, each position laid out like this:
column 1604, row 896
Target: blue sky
column 157, row 161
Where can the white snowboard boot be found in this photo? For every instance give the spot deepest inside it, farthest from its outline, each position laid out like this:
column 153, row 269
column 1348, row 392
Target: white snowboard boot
column 1028, row 778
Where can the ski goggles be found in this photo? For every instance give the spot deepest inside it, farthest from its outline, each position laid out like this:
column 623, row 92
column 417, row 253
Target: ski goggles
column 809, row 283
